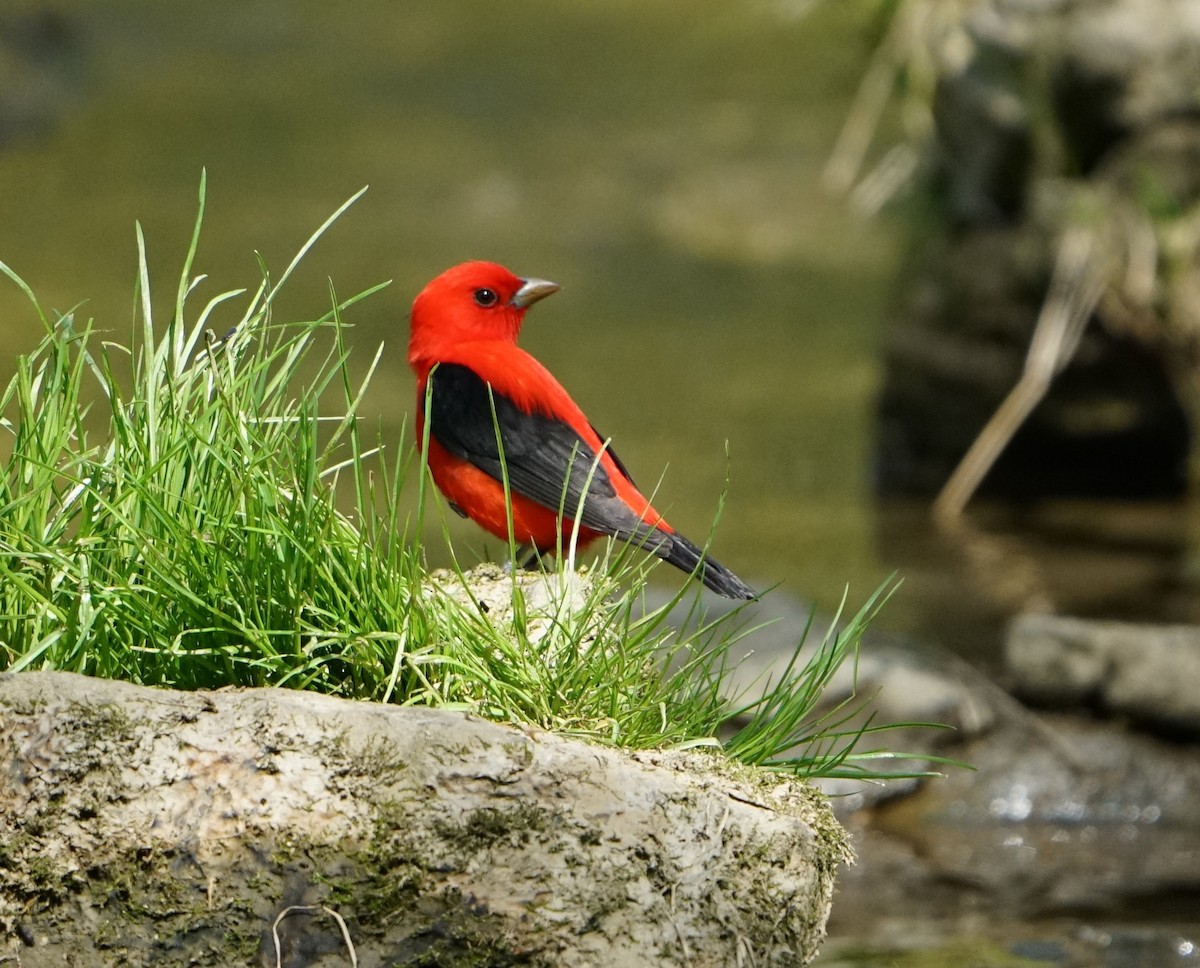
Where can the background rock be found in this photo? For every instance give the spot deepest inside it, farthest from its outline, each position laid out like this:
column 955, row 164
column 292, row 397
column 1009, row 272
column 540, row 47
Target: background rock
column 150, row 827
column 1048, row 117
column 1146, row 672
column 1043, row 815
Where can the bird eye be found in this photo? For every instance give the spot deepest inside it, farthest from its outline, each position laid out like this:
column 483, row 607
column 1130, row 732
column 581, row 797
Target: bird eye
column 486, row 298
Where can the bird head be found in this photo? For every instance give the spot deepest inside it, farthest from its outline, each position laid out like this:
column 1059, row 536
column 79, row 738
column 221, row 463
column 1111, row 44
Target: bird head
column 471, row 302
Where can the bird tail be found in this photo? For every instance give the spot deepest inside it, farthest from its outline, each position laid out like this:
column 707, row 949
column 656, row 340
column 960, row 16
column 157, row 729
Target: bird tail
column 686, row 556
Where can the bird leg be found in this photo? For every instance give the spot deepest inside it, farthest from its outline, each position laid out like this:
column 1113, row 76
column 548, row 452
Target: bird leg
column 527, row 558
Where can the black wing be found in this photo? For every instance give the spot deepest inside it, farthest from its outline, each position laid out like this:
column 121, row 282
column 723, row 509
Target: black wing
column 546, row 459
column 548, row 462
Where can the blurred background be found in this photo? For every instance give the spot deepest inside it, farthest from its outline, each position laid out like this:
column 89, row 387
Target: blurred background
column 804, row 247
column 660, row 161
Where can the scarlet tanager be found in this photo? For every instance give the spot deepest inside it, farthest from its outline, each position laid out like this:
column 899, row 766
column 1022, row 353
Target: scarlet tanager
column 495, row 410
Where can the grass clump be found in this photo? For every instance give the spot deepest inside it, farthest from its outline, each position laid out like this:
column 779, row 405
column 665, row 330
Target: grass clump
column 180, row 527
column 197, row 512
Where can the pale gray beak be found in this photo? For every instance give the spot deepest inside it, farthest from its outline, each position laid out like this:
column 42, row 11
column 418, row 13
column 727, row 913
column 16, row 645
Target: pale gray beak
column 531, row 291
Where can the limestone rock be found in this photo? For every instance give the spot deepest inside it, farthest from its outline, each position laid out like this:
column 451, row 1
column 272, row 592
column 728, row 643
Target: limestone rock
column 150, row 827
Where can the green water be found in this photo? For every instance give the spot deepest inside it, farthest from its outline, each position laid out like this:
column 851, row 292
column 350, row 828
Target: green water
column 660, row 160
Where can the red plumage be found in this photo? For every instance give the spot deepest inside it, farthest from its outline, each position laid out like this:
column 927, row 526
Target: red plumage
column 463, row 338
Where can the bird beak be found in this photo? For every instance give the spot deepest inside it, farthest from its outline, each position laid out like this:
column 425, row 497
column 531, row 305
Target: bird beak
column 531, row 291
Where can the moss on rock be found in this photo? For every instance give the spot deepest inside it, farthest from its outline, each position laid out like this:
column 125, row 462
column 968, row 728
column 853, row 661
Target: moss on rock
column 149, row 827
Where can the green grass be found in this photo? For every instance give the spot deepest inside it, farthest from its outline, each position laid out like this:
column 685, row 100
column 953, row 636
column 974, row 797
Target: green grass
column 197, row 512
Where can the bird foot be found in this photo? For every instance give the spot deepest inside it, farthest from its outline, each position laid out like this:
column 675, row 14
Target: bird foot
column 527, row 558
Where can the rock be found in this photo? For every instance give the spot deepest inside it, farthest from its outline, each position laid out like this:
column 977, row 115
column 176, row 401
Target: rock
column 1111, row 425
column 151, row 827
column 547, row 599
column 1124, row 67
column 891, row 680
column 1058, row 815
column 1053, row 814
column 1146, row 672
column 1051, row 116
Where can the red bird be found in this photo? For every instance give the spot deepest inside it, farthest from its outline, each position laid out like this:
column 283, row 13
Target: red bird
column 464, row 342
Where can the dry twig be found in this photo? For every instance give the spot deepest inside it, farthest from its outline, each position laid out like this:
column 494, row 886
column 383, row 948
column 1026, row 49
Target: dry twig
column 1075, row 289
